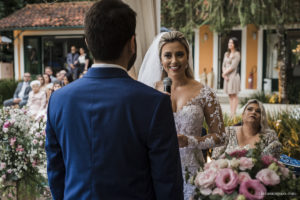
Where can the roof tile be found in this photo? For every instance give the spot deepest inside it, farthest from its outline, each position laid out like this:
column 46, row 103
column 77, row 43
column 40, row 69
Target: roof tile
column 47, row 15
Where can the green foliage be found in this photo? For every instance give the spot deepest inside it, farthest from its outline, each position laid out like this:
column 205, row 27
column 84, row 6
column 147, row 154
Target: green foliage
column 261, row 96
column 223, row 15
column 7, row 89
column 229, row 121
column 293, row 89
column 181, row 15
column 287, row 126
column 220, row 15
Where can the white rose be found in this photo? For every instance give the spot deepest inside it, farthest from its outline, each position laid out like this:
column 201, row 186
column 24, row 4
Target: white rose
column 222, row 163
column 234, row 163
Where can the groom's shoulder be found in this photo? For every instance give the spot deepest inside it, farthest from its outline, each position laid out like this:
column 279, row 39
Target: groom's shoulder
column 147, row 90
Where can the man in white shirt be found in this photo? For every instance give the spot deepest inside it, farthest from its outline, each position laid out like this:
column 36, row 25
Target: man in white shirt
column 21, row 93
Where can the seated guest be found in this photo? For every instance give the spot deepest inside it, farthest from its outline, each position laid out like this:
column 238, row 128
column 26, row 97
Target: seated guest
column 68, row 78
column 21, row 93
column 37, row 100
column 42, row 81
column 60, row 76
column 49, row 90
column 49, row 71
column 56, row 85
column 47, row 79
column 254, row 125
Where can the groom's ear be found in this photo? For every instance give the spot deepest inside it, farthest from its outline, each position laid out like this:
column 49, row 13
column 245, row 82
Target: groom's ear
column 132, row 47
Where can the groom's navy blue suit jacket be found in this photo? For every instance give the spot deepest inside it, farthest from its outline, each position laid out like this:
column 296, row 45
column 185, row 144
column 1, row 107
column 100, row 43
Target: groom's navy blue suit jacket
column 110, row 137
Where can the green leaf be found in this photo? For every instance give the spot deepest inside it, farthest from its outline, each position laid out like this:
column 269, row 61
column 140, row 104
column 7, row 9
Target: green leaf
column 215, row 197
column 231, row 196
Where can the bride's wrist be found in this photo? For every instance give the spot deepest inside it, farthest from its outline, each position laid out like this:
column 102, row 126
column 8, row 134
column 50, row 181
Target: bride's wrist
column 192, row 141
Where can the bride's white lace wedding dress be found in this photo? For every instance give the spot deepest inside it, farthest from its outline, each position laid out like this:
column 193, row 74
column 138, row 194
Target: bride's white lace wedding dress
column 189, row 122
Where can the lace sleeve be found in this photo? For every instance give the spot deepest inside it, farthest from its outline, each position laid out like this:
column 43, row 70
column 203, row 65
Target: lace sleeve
column 214, row 119
column 218, row 151
column 273, row 146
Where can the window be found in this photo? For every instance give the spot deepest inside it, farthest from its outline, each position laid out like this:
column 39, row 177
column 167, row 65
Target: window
column 32, row 55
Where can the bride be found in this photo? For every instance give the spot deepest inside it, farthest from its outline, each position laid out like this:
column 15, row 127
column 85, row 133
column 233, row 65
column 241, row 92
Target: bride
column 169, row 56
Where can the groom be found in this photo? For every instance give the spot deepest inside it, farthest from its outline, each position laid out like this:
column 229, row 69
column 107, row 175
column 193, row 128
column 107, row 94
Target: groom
column 110, row 137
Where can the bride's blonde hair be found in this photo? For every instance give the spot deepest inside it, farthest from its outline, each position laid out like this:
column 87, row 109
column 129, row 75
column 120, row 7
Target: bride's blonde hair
column 174, row 36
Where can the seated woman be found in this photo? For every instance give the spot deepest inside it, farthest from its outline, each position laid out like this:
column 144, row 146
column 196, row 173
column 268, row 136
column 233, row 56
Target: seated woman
column 37, row 100
column 254, row 124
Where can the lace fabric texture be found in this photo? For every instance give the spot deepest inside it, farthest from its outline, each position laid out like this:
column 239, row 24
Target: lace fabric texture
column 189, row 122
column 272, row 146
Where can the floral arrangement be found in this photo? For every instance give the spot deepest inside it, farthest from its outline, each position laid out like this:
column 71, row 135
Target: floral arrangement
column 22, row 154
column 245, row 174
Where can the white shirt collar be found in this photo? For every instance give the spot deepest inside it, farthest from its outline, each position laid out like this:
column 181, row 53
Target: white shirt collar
column 106, row 65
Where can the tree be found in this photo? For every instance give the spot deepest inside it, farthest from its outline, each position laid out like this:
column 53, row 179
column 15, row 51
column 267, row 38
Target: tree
column 223, row 15
column 181, row 15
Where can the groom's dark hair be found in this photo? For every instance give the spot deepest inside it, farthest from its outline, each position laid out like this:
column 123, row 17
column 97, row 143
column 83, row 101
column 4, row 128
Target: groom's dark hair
column 108, row 25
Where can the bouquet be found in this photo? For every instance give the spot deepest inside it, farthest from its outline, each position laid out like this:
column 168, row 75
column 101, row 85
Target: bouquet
column 246, row 174
column 22, row 154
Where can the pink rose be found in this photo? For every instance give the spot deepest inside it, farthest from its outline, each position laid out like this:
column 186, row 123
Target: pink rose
column 12, row 141
column 20, row 149
column 267, row 160
column 243, row 176
column 207, row 165
column 34, row 141
column 6, row 124
column 253, row 189
column 284, row 171
column 268, row 177
column 218, row 191
column 41, row 143
column 9, row 171
column 206, row 178
column 246, row 163
column 212, row 164
column 34, row 163
column 238, row 153
column 2, row 165
column 227, row 180
column 3, row 176
column 37, row 135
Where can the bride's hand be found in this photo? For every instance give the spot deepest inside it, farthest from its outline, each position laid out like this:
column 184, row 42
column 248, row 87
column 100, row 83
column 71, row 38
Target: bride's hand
column 182, row 140
column 167, row 93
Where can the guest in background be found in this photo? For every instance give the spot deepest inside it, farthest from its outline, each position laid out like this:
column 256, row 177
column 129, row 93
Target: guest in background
column 83, row 61
column 21, row 93
column 68, row 79
column 254, row 125
column 56, row 85
column 47, row 79
column 61, row 75
column 37, row 100
column 49, row 91
column 42, row 81
column 230, row 74
column 72, row 59
column 49, row 71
